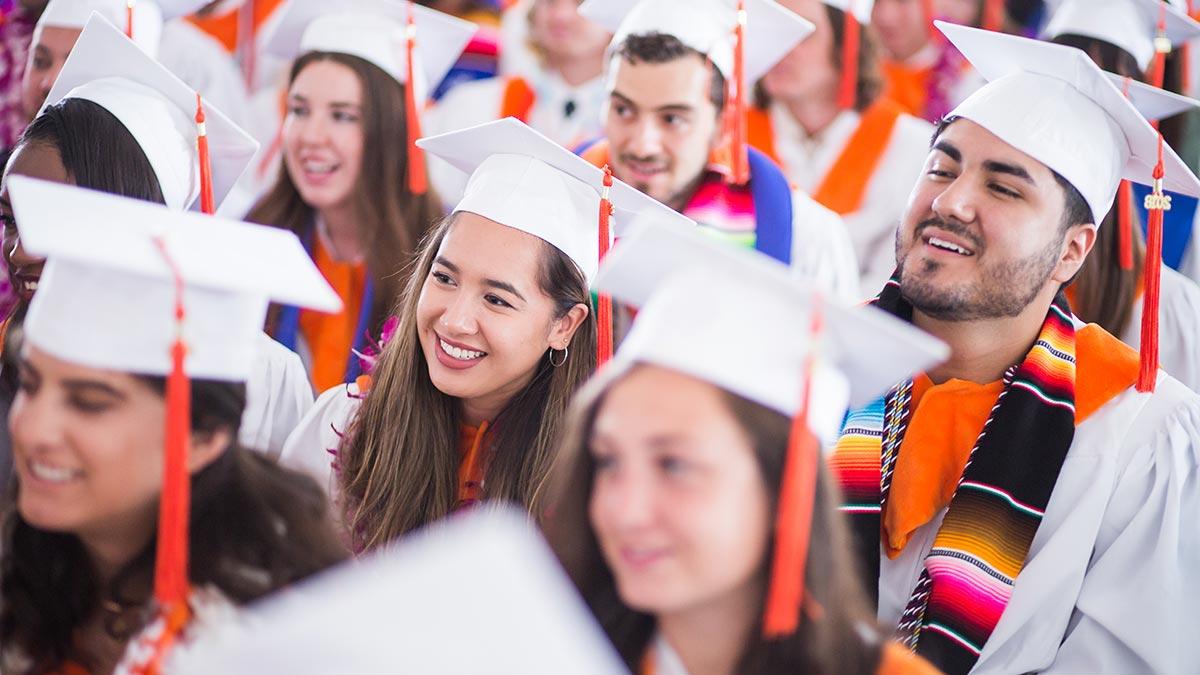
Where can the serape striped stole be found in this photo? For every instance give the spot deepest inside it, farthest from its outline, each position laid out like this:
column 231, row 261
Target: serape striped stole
column 984, row 538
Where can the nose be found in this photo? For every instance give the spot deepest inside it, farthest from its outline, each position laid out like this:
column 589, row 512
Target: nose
column 459, row 316
column 15, row 252
column 647, row 138
column 311, row 129
column 31, row 423
column 625, row 500
column 957, row 201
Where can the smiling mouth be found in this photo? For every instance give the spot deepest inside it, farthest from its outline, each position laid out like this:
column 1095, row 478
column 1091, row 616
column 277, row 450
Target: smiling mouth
column 319, row 168
column 52, row 474
column 459, row 354
column 951, row 247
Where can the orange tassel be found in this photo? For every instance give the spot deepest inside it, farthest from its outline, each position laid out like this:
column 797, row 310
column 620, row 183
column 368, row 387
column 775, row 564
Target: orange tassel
column 1125, row 224
column 793, row 521
column 736, row 103
column 418, row 182
column 1162, row 47
column 171, row 587
column 1156, row 203
column 848, row 88
column 207, row 203
column 129, row 19
column 993, row 15
column 604, row 308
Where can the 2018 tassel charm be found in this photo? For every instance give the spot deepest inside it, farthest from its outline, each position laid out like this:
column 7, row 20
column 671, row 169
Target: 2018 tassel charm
column 604, row 307
column 1156, row 203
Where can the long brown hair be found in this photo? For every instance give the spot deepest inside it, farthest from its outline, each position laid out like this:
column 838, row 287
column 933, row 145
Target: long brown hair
column 840, row 637
column 255, row 527
column 399, row 460
column 391, row 219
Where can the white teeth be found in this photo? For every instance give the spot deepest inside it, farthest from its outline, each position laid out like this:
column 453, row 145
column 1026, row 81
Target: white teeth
column 319, row 167
column 460, row 354
column 52, row 474
column 947, row 246
column 30, row 285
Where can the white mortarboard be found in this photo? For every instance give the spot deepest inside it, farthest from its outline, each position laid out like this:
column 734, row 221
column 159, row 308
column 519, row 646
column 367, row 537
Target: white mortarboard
column 147, row 18
column 1055, row 105
column 106, row 298
column 1131, row 25
column 521, row 179
column 174, row 9
column 707, row 27
column 480, row 593
column 860, row 8
column 1154, row 103
column 740, row 320
column 373, row 30
column 157, row 108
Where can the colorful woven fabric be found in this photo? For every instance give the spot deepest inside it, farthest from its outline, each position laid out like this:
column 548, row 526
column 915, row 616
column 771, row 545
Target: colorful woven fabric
column 984, row 539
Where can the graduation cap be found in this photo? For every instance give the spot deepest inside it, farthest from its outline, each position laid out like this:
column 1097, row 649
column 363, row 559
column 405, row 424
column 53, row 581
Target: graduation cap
column 1143, row 28
column 416, row 45
column 159, row 110
column 743, row 38
column 523, row 180
column 106, row 297
column 137, row 287
column 140, row 20
column 739, row 320
column 480, row 593
column 1055, row 105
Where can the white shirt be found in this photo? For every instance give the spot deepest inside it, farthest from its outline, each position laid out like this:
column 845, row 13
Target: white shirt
column 1111, row 585
column 278, row 395
column 1178, row 328
column 807, row 160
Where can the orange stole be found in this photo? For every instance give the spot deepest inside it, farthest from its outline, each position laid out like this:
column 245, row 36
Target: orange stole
column 908, row 87
column 471, row 468
column 894, row 659
column 225, row 27
column 1105, row 367
column 845, row 184
column 518, row 99
column 330, row 337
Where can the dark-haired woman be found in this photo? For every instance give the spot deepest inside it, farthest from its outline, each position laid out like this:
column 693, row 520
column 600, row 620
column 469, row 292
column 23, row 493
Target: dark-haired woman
column 345, row 186
column 854, row 155
column 670, row 507
column 1106, row 292
column 494, row 335
column 85, row 573
column 119, row 122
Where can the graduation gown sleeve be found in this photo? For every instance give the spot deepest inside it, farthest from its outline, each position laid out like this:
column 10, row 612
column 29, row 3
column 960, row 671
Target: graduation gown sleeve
column 821, row 249
column 278, row 395
column 312, row 446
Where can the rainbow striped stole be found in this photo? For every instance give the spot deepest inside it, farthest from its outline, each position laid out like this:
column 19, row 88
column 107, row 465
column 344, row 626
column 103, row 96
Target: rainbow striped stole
column 992, row 518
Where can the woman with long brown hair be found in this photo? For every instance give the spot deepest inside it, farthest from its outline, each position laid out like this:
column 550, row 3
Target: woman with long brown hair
column 683, row 504
column 1109, row 288
column 113, row 427
column 349, row 185
column 494, row 334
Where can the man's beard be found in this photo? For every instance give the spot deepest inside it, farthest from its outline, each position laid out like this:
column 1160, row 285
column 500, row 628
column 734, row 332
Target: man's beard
column 1003, row 290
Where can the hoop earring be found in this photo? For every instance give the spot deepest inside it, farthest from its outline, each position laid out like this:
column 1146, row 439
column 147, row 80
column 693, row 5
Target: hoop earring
column 566, row 352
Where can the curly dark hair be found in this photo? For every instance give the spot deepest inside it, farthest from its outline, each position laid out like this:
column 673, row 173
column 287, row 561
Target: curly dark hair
column 663, row 48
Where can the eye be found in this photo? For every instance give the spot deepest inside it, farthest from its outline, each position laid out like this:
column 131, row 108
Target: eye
column 604, row 462
column 89, row 405
column 673, row 120
column 26, row 383
column 671, row 465
column 1001, row 190
column 297, row 110
column 940, row 173
column 8, row 222
column 343, row 116
column 41, row 63
column 442, row 278
column 496, row 301
column 623, row 111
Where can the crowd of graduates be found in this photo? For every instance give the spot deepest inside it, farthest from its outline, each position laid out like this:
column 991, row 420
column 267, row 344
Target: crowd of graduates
column 673, row 337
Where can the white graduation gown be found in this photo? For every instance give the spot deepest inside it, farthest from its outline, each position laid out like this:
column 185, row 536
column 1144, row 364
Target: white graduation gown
column 1112, row 583
column 1178, row 328
column 201, row 61
column 821, row 249
column 473, row 103
column 310, row 447
column 807, row 160
column 278, row 395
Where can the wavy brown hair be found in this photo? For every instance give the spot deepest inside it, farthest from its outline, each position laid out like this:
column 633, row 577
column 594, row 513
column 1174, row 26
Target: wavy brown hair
column 399, row 460
column 391, row 219
column 842, row 637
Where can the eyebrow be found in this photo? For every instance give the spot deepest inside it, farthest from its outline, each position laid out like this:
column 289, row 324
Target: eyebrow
column 493, row 283
column 669, row 108
column 336, row 104
column 991, row 165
